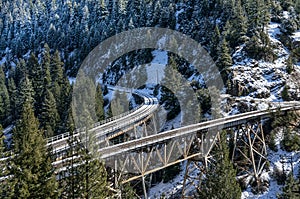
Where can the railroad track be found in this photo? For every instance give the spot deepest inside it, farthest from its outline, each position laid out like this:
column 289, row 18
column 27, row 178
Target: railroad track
column 108, row 129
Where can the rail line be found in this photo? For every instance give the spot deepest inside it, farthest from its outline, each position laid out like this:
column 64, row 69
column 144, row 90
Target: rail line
column 106, row 129
column 221, row 123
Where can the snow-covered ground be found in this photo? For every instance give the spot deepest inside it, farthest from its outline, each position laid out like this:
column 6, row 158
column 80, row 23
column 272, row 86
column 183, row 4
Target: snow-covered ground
column 261, row 79
column 296, row 36
column 155, row 69
column 174, row 187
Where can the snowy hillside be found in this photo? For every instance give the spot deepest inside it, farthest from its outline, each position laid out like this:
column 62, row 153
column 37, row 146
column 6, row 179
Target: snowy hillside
column 260, row 83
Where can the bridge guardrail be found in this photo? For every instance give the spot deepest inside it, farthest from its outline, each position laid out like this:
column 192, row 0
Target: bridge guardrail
column 175, row 133
column 77, row 131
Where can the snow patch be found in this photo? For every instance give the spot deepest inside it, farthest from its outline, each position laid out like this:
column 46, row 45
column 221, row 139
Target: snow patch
column 155, row 69
column 72, row 80
column 274, row 30
column 8, row 135
column 2, row 61
column 296, row 36
column 286, row 14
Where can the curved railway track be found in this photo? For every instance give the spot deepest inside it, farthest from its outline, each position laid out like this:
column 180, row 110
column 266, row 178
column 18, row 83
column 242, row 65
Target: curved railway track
column 109, row 129
column 112, row 127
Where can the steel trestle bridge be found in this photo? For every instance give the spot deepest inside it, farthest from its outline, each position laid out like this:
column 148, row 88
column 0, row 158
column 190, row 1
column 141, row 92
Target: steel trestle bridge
column 151, row 150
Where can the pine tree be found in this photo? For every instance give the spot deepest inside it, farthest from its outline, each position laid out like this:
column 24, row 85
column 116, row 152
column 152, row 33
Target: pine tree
column 289, row 65
column 12, row 90
column 172, row 86
column 4, row 100
column 24, row 92
column 64, row 108
column 33, row 174
column 258, row 15
column 128, row 192
column 220, row 179
column 83, row 100
column 49, row 116
column 297, row 7
column 56, row 68
column 47, row 82
column 86, row 175
column 215, row 41
column 239, row 25
column 109, row 113
column 57, row 78
column 3, row 167
column 285, row 93
column 224, row 60
column 20, row 72
column 291, row 189
column 37, row 78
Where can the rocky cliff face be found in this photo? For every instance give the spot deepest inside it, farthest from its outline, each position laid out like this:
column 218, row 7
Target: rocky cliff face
column 265, row 79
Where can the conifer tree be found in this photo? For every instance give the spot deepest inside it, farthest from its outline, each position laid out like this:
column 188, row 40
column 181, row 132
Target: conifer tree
column 83, row 100
column 12, row 91
column 36, row 77
column 64, row 108
column 57, row 78
column 33, row 174
column 86, row 175
column 47, row 82
column 24, row 92
column 291, row 188
column 239, row 25
column 215, row 41
column 20, row 72
column 56, row 68
column 49, row 116
column 220, row 179
column 172, row 79
column 224, row 60
column 4, row 99
column 285, row 93
column 128, row 192
column 3, row 167
column 109, row 113
column 289, row 65
column 297, row 7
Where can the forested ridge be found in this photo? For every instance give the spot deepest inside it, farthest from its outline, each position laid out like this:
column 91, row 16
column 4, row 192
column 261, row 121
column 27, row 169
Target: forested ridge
column 43, row 43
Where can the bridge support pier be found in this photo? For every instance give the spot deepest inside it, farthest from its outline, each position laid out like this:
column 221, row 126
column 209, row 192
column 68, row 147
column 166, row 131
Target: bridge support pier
column 250, row 151
column 191, row 181
column 144, row 187
column 249, row 155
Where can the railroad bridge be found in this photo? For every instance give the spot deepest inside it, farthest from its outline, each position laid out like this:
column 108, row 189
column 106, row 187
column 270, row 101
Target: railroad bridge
column 149, row 150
